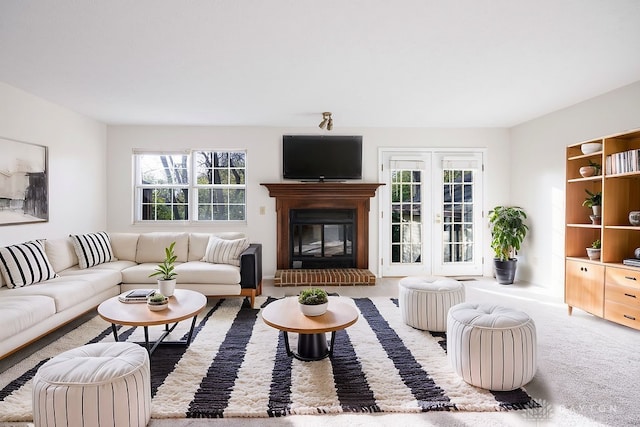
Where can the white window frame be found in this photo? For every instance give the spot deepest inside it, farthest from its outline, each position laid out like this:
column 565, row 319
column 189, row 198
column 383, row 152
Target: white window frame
column 192, row 187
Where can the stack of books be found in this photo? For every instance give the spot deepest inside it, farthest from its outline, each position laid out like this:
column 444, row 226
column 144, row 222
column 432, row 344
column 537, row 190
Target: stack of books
column 137, row 295
column 633, row 262
column 623, row 162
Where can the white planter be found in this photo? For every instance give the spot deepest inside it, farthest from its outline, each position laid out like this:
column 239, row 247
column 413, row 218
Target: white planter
column 314, row 310
column 158, row 307
column 167, row 287
column 593, row 254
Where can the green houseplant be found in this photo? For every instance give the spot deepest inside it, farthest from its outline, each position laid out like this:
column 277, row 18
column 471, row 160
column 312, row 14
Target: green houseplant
column 594, row 251
column 508, row 230
column 157, row 301
column 313, row 301
column 593, row 201
column 166, row 272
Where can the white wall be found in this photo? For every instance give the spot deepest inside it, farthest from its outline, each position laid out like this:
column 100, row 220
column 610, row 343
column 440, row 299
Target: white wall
column 538, row 174
column 263, row 145
column 77, row 166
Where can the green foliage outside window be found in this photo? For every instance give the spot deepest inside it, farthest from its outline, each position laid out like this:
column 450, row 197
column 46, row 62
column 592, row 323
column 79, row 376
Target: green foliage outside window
column 219, row 186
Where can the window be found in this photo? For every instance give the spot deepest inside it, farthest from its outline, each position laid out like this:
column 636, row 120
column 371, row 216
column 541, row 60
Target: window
column 190, row 186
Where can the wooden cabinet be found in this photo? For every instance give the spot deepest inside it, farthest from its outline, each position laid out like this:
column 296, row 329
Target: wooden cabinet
column 585, row 286
column 622, row 296
column 605, row 287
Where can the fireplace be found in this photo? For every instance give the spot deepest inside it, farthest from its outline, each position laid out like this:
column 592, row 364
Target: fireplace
column 339, row 210
column 322, row 238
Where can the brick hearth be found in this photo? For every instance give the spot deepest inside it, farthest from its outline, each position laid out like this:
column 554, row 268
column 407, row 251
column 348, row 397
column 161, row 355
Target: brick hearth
column 324, row 277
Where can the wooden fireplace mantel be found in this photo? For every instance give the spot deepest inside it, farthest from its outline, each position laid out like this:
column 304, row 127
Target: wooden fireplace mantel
column 322, row 195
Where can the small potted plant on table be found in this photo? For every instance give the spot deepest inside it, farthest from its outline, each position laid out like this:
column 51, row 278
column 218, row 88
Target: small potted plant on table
column 313, row 301
column 166, row 272
column 156, row 301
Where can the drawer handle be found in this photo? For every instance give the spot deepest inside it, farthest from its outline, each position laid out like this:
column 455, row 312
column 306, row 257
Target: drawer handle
column 630, row 277
column 629, row 295
column 629, row 317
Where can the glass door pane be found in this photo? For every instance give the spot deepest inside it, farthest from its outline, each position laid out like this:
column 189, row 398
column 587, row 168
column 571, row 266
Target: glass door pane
column 406, row 216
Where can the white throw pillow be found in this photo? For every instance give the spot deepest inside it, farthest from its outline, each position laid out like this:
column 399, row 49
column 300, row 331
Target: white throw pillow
column 92, row 249
column 223, row 251
column 25, row 264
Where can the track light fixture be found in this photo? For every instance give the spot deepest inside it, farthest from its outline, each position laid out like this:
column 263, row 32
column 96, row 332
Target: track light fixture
column 326, row 121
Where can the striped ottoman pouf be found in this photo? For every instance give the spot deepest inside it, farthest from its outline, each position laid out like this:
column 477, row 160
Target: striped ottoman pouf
column 104, row 384
column 425, row 300
column 491, row 347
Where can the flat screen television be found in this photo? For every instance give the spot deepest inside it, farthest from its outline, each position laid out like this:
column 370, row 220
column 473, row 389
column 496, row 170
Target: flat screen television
column 321, row 157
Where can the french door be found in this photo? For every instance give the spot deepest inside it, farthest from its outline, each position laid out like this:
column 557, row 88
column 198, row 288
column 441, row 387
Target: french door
column 431, row 213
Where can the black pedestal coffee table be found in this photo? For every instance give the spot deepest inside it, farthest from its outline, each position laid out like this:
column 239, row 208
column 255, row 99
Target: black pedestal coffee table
column 285, row 315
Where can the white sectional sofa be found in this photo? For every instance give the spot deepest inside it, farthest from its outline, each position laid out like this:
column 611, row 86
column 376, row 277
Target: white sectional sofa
column 31, row 311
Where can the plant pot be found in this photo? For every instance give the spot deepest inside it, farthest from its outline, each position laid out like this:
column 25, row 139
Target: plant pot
column 597, row 210
column 587, row 171
column 167, row 287
column 157, row 306
column 314, row 310
column 634, row 217
column 505, row 270
column 593, row 254
column 595, row 219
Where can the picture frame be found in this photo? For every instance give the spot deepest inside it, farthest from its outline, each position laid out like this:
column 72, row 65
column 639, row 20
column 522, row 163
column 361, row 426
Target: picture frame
column 24, row 182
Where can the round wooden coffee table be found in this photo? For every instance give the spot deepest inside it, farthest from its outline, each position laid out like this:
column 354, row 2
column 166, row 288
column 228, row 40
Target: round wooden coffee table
column 184, row 304
column 285, row 315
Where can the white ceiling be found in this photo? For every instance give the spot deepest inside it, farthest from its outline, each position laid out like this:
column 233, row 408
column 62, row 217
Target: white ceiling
column 384, row 63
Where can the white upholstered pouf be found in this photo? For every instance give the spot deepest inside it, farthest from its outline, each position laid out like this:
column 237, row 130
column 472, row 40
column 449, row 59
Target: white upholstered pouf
column 104, row 384
column 425, row 300
column 491, row 347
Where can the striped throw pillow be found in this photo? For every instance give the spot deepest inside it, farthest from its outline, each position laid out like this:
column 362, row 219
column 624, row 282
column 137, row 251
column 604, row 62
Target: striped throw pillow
column 25, row 264
column 92, row 249
column 223, row 251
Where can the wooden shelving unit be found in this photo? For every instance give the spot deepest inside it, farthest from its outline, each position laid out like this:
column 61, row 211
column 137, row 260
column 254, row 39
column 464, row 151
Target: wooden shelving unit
column 606, row 288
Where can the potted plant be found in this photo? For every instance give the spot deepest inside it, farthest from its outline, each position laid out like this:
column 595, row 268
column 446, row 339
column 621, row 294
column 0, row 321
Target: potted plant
column 313, row 301
column 508, row 230
column 593, row 201
column 156, row 301
column 594, row 251
column 166, row 272
column 593, row 169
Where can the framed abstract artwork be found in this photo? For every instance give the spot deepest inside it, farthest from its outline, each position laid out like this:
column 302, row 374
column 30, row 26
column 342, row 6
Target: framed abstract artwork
column 24, row 188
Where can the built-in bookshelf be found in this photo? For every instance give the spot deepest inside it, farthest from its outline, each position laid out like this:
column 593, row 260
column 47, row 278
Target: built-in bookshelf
column 607, row 287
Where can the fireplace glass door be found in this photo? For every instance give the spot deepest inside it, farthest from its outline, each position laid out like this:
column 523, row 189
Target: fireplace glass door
column 322, row 238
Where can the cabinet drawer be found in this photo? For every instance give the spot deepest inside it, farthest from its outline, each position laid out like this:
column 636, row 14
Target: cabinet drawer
column 622, row 294
column 623, row 314
column 623, row 277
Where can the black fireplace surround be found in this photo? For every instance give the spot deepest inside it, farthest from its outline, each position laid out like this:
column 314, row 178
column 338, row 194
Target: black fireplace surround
column 322, row 238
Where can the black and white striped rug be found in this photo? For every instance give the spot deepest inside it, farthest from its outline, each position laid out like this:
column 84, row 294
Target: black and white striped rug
column 237, row 366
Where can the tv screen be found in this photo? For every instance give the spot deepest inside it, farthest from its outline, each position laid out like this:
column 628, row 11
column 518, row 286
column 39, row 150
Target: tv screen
column 321, row 157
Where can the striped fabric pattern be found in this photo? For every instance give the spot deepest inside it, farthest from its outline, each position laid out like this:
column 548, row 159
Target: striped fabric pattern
column 104, row 384
column 492, row 347
column 92, row 249
column 25, row 264
column 223, row 251
column 425, row 301
column 237, row 366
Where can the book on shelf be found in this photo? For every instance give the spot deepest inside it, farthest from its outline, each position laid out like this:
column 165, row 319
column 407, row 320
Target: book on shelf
column 633, row 262
column 136, row 295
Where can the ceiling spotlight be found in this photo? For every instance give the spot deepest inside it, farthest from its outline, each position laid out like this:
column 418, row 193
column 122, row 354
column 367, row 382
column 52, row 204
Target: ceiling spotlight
column 326, row 121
